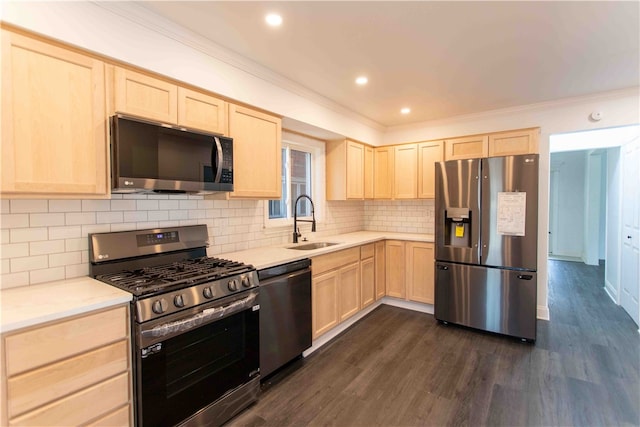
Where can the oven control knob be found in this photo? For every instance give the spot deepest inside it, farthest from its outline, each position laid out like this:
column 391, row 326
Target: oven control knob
column 178, row 300
column 207, row 292
column 233, row 285
column 159, row 306
column 246, row 281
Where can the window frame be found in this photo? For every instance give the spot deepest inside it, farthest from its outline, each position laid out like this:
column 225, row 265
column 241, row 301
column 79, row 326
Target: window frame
column 317, row 150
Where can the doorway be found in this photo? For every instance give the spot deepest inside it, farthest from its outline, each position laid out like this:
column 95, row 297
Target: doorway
column 586, row 207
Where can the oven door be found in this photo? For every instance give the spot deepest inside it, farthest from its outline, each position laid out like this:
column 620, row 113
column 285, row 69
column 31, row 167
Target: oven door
column 188, row 361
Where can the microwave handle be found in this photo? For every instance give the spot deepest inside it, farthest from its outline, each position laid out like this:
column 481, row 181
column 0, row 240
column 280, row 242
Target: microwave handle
column 217, row 159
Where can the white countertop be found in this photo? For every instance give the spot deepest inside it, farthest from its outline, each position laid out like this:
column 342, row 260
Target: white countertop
column 31, row 305
column 275, row 255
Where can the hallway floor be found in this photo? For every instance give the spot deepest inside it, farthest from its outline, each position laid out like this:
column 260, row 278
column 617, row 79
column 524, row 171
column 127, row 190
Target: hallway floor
column 398, row 367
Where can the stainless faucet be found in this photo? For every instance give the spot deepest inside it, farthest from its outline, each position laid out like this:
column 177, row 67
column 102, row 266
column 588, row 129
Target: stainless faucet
column 296, row 230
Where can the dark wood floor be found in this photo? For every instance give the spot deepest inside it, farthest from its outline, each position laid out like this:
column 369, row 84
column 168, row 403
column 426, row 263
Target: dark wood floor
column 401, row 368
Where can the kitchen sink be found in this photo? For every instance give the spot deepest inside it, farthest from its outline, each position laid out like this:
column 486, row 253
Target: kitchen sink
column 311, row 246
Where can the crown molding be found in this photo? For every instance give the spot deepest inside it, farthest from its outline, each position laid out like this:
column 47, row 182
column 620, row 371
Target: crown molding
column 527, row 108
column 154, row 22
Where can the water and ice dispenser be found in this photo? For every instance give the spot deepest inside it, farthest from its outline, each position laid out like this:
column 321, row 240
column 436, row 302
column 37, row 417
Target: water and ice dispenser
column 457, row 227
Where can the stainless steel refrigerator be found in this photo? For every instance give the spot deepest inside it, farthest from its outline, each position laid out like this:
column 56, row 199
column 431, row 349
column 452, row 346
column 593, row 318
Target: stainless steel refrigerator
column 486, row 244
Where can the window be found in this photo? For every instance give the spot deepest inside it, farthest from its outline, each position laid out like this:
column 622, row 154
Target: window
column 302, row 173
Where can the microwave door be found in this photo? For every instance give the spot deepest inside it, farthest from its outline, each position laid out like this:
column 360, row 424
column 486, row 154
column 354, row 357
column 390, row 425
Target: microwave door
column 217, row 160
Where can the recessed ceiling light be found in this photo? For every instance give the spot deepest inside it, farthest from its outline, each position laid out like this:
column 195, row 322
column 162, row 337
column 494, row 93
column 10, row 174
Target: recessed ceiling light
column 273, row 19
column 362, row 80
column 405, row 110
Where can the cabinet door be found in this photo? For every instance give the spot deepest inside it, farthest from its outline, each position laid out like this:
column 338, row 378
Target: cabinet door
column 145, row 96
column 367, row 281
column 420, row 271
column 349, row 294
column 468, row 147
column 380, row 270
column 368, row 172
column 54, row 134
column 197, row 110
column 355, row 170
column 405, row 172
column 428, row 154
column 383, row 173
column 395, row 269
column 257, row 157
column 511, row 143
column 324, row 297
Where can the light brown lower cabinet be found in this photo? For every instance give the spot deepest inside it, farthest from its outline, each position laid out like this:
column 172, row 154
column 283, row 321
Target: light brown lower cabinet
column 381, row 289
column 395, row 269
column 367, row 275
column 410, row 270
column 70, row 372
column 335, row 289
column 420, row 271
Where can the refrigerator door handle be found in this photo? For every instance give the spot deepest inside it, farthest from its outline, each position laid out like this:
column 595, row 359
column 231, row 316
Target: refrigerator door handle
column 525, row 276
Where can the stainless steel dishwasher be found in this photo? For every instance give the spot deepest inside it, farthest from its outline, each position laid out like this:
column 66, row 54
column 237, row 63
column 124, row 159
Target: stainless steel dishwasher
column 285, row 314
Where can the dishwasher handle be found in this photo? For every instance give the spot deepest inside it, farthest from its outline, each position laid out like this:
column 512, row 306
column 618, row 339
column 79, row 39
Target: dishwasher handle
column 283, row 269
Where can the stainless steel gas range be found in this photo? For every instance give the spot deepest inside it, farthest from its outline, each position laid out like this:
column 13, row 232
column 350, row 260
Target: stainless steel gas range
column 194, row 323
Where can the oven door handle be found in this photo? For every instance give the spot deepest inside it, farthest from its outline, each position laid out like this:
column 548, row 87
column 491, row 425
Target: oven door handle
column 205, row 316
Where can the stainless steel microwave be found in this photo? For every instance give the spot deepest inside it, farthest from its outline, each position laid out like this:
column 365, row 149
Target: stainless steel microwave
column 154, row 157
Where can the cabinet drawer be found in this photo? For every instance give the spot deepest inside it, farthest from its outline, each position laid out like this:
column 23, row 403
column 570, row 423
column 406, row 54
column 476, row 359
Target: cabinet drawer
column 80, row 407
column 367, row 251
column 37, row 347
column 327, row 262
column 35, row 388
column 119, row 417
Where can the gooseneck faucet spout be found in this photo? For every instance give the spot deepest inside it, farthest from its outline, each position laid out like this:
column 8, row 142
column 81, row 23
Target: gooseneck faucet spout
column 296, row 231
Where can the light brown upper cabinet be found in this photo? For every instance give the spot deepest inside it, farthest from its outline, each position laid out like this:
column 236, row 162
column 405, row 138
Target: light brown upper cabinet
column 54, row 134
column 345, row 170
column 197, row 110
column 468, row 147
column 257, row 153
column 145, row 96
column 428, row 154
column 508, row 143
column 383, row 172
column 148, row 97
column 368, row 172
column 405, row 176
column 524, row 141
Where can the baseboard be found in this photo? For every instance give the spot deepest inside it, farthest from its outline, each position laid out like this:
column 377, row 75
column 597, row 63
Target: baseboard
column 611, row 290
column 542, row 312
column 566, row 258
column 409, row 305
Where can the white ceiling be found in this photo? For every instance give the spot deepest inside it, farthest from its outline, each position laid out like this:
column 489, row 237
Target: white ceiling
column 441, row 59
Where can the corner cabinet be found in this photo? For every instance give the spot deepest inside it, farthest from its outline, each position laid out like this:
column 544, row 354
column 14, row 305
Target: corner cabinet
column 54, row 134
column 405, row 178
column 429, row 153
column 69, row 372
column 335, row 289
column 345, row 170
column 257, row 153
column 383, row 172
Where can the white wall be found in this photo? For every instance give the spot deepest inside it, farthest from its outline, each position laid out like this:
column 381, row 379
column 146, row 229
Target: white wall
column 117, row 30
column 121, row 30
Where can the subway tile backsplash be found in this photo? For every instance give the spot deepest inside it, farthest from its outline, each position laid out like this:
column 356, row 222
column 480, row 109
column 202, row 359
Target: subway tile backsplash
column 45, row 240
